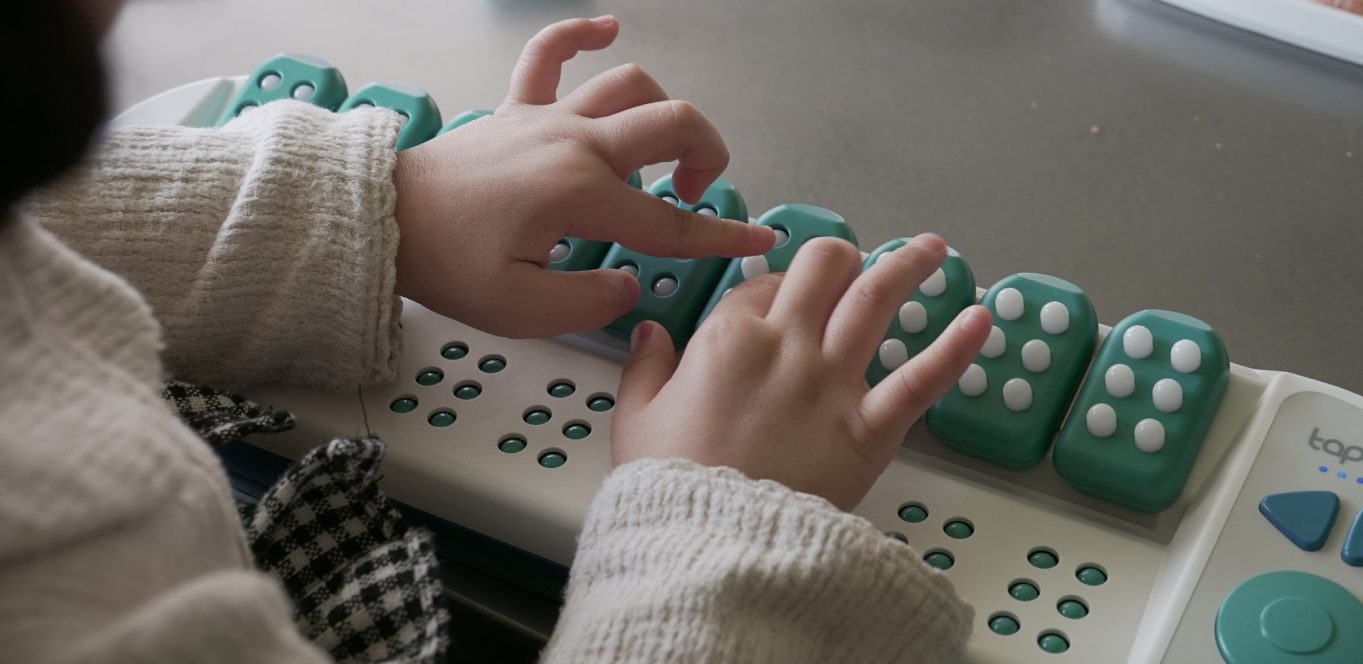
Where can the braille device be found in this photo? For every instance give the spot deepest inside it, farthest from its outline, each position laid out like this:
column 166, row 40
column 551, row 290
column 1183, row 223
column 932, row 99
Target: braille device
column 1190, row 510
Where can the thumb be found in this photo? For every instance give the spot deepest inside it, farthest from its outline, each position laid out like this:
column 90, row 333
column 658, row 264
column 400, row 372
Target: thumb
column 652, row 359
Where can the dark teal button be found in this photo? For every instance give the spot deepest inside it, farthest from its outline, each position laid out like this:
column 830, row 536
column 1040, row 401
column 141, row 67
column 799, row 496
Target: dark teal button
column 492, row 364
column 511, row 444
column 1352, row 552
column 537, row 417
column 441, row 418
column 430, row 377
column 561, row 390
column 913, row 513
column 1072, row 609
column 1091, row 576
column 1005, row 625
column 1024, row 591
column 1043, row 559
column 577, row 431
column 601, row 404
column 897, row 537
column 1053, row 643
column 958, row 529
column 940, row 559
column 1289, row 616
column 553, row 459
column 468, row 391
column 454, row 351
column 1304, row 517
column 403, row 405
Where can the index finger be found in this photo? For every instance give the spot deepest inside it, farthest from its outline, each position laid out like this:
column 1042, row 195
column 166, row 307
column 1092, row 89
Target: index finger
column 648, row 224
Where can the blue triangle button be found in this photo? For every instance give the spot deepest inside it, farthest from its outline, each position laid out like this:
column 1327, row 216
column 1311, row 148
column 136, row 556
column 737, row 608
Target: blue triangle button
column 1353, row 543
column 1305, row 517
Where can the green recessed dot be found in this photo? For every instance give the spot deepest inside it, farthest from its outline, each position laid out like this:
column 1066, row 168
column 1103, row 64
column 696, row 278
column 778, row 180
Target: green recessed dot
column 1091, row 576
column 958, row 529
column 560, row 390
column 430, row 377
column 897, row 537
column 553, row 459
column 1073, row 609
column 1053, row 643
column 403, row 405
column 511, row 444
column 913, row 513
column 1004, row 625
column 939, row 559
column 492, row 365
column 467, row 391
column 577, row 431
column 601, row 404
column 537, row 417
column 441, row 418
column 454, row 351
column 1024, row 591
column 1043, row 559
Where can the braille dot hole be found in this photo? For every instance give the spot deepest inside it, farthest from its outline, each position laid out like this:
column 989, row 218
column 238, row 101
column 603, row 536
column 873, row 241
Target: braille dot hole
column 303, row 91
column 600, row 403
column 1053, row 641
column 363, row 103
column 248, row 106
column 629, row 267
column 553, row 458
column 429, row 376
column 782, row 236
column 1004, row 623
column 454, row 350
column 707, row 210
column 576, row 430
column 939, row 558
column 898, row 537
column 492, row 364
column 468, row 390
column 668, row 197
column 913, row 512
column 403, row 404
column 511, row 443
column 441, row 417
column 1043, row 557
column 1024, row 590
column 270, row 80
column 665, row 285
column 1072, row 607
column 537, row 415
column 562, row 388
column 1091, row 574
column 959, row 528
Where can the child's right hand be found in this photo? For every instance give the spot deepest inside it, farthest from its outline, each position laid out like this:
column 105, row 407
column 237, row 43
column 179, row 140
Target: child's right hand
column 773, row 384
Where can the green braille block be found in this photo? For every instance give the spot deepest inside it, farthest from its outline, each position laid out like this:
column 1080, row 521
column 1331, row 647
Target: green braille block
column 1139, row 419
column 289, row 76
column 673, row 291
column 1007, row 406
column 572, row 254
column 421, row 113
column 799, row 223
column 462, row 119
column 925, row 315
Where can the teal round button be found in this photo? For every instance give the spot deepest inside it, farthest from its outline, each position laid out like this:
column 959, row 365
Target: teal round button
column 1289, row 616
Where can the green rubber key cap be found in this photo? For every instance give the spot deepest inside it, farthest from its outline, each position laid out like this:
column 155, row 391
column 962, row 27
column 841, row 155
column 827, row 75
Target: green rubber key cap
column 673, row 291
column 463, row 119
column 421, row 117
column 289, row 76
column 925, row 315
column 574, row 253
column 795, row 224
column 1008, row 404
column 1145, row 406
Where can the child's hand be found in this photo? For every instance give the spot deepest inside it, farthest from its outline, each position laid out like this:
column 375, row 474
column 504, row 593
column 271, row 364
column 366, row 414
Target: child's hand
column 773, row 384
column 480, row 208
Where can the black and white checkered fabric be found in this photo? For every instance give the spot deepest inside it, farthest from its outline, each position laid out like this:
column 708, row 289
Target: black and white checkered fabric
column 222, row 417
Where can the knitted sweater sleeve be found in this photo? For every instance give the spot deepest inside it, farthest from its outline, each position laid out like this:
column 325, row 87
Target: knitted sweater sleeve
column 266, row 247
column 679, row 562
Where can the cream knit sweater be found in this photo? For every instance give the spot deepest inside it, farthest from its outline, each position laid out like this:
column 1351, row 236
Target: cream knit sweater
column 265, row 250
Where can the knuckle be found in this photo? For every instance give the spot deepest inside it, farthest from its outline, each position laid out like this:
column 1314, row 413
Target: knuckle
column 685, row 114
column 829, row 251
column 875, row 293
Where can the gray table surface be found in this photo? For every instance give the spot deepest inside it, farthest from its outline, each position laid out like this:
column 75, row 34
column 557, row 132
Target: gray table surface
column 1153, row 157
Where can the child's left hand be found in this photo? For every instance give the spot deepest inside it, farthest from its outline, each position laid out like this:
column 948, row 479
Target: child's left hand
column 480, row 208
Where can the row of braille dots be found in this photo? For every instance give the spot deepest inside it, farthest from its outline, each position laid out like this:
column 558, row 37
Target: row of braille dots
column 1036, row 353
column 913, row 318
column 1185, row 357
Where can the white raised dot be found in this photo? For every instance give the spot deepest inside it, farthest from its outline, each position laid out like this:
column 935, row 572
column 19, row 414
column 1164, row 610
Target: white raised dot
column 913, row 317
column 1185, row 356
column 1036, row 356
column 973, row 382
column 1149, row 436
column 782, row 236
column 1055, row 318
column 364, row 104
column 664, row 286
column 935, row 285
column 560, row 252
column 1120, row 381
column 631, row 269
column 302, row 91
column 892, row 354
column 726, row 292
column 669, row 199
column 708, row 211
column 269, row 81
column 1138, row 342
column 995, row 344
column 1167, row 395
column 1009, row 304
column 1017, row 394
column 754, row 266
column 1101, row 420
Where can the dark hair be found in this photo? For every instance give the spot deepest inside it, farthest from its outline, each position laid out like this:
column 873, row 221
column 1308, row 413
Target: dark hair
column 54, row 92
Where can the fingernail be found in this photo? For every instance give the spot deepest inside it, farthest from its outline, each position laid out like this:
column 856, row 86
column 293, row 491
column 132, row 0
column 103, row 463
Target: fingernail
column 630, row 289
column 639, row 336
column 604, row 19
column 976, row 319
column 767, row 235
column 930, row 241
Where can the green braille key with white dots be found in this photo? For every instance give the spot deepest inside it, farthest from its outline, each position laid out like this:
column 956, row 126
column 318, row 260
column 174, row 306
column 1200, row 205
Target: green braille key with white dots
column 1007, row 406
column 420, row 115
column 1139, row 419
column 925, row 315
column 289, row 76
